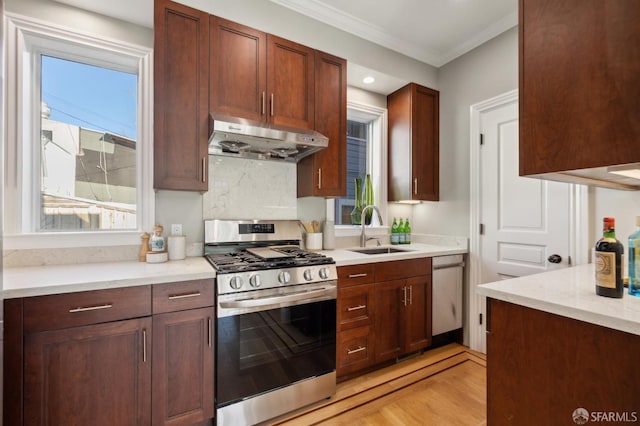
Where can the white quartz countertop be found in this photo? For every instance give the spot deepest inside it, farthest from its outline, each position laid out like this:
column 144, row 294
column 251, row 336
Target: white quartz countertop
column 344, row 257
column 569, row 292
column 54, row 279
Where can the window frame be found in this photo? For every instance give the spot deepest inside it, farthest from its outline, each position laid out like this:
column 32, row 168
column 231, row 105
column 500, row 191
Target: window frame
column 27, row 39
column 376, row 165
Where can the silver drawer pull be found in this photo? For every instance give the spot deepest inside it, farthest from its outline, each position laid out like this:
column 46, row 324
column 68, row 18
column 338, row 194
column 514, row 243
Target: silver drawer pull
column 90, row 308
column 183, row 296
column 360, row 349
column 357, row 275
column 356, row 308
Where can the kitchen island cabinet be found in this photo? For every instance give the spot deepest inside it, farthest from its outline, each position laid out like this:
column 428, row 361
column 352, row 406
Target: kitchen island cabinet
column 181, row 97
column 414, row 134
column 578, row 64
column 554, row 346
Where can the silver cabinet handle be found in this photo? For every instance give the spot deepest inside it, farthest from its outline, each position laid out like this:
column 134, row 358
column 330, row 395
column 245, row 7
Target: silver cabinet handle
column 90, row 308
column 272, row 104
column 356, row 308
column 204, row 169
column 183, row 296
column 144, row 345
column 319, row 178
column 357, row 275
column 354, row 351
column 264, row 102
column 404, row 296
column 209, row 331
column 415, row 186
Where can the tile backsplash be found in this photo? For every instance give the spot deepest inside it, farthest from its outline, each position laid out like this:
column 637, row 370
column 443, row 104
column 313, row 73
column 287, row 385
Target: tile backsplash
column 250, row 189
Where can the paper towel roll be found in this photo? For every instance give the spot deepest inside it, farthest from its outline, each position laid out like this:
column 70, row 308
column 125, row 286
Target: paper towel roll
column 177, row 247
column 328, row 235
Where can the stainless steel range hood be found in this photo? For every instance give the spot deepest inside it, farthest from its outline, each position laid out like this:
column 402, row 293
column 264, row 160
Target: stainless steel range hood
column 238, row 137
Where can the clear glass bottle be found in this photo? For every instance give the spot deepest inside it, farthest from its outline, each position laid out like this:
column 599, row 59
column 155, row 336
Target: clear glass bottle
column 395, row 236
column 634, row 261
column 356, row 213
column 156, row 243
column 608, row 261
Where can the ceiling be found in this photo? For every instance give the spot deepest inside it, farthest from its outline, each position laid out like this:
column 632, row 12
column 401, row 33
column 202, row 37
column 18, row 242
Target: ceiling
column 431, row 31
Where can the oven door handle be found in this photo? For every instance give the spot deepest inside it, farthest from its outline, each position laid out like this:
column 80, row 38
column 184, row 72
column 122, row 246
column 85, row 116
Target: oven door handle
column 307, row 296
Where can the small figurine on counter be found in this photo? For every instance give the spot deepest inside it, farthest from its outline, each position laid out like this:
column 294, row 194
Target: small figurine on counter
column 157, row 240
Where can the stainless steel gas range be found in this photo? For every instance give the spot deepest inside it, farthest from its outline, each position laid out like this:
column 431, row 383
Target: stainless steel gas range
column 276, row 320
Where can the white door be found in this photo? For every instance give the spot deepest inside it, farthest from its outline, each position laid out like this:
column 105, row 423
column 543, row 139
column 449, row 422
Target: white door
column 524, row 222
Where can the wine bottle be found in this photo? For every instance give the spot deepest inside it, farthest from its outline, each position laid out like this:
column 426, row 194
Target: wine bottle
column 395, row 237
column 608, row 261
column 634, row 261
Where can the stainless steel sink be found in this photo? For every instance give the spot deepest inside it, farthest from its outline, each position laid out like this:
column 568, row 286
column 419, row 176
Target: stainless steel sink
column 379, row 250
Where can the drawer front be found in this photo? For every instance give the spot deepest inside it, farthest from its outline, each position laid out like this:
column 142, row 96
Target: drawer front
column 355, row 306
column 85, row 307
column 355, row 275
column 401, row 269
column 355, row 350
column 183, row 295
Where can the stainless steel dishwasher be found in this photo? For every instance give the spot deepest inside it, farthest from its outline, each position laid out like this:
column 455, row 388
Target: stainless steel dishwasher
column 447, row 293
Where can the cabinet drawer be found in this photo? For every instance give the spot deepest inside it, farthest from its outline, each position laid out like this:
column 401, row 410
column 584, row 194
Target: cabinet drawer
column 85, row 307
column 355, row 306
column 183, row 295
column 401, row 269
column 355, row 275
column 355, row 350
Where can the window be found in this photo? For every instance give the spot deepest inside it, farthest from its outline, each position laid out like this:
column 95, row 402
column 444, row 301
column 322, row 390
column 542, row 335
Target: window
column 366, row 139
column 78, row 133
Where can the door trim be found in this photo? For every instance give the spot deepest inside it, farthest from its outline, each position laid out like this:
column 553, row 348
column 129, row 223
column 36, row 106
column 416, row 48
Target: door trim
column 578, row 219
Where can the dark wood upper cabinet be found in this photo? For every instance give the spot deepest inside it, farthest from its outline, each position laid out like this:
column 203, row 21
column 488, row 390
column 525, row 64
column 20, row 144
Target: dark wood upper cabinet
column 579, row 62
column 238, row 64
column 414, row 144
column 181, row 97
column 324, row 173
column 260, row 77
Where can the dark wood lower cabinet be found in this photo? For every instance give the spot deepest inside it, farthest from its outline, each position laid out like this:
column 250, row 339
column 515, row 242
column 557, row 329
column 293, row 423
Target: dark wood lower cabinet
column 91, row 375
column 542, row 367
column 183, row 367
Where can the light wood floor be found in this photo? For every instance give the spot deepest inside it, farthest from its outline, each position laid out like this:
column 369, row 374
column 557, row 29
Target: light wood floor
column 444, row 386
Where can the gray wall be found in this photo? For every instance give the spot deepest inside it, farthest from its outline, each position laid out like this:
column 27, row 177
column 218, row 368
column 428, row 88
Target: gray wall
column 487, row 71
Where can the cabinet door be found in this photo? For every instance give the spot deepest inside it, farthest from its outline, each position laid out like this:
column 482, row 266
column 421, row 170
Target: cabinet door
column 355, row 350
column 579, row 91
column 238, row 63
column 390, row 298
column 181, row 97
column 324, row 173
column 290, row 83
column 417, row 314
column 425, row 144
column 183, row 367
column 90, row 375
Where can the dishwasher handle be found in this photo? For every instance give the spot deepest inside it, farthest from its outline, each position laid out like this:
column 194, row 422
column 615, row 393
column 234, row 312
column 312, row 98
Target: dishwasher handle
column 449, row 265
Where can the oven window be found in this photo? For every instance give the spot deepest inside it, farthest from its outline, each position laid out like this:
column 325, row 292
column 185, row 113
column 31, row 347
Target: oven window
column 263, row 351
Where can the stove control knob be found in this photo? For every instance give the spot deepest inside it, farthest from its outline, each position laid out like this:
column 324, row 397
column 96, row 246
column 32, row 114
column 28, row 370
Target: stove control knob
column 308, row 274
column 255, row 281
column 235, row 282
column 324, row 273
column 284, row 277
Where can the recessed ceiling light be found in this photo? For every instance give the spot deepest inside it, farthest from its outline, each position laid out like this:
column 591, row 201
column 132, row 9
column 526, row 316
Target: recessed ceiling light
column 368, row 79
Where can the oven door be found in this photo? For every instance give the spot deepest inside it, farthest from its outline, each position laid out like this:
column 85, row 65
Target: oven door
column 274, row 338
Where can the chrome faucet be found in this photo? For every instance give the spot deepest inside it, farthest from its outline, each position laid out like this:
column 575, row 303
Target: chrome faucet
column 363, row 237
